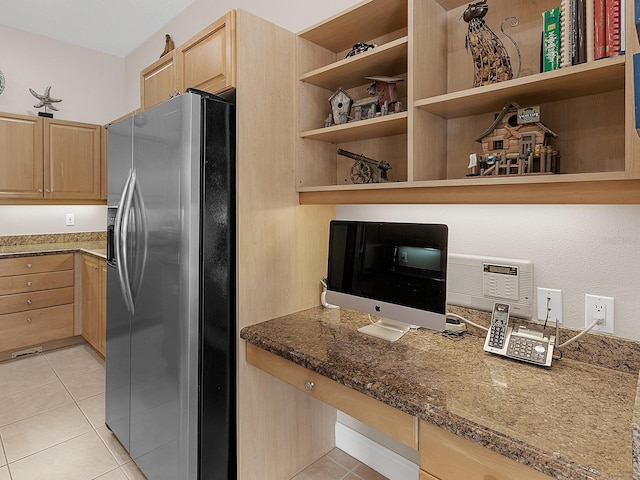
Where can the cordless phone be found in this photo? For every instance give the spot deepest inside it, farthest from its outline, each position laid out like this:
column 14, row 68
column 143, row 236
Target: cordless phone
column 522, row 343
column 496, row 338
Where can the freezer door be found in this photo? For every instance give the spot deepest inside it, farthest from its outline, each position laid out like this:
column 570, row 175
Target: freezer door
column 164, row 328
column 117, row 403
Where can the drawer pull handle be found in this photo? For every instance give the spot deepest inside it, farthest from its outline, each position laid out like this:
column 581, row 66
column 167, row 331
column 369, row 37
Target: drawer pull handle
column 29, row 302
column 28, row 284
column 29, row 265
column 29, row 320
column 308, row 386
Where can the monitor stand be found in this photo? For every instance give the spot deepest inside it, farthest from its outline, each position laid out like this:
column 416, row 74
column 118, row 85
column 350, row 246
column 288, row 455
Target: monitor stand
column 386, row 329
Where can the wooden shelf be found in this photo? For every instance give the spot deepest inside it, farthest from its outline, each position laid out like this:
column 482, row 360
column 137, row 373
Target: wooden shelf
column 343, row 30
column 389, row 59
column 579, row 80
column 561, row 189
column 393, row 124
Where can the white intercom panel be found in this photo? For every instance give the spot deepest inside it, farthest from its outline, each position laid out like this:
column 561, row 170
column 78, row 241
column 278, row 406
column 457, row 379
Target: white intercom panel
column 478, row 282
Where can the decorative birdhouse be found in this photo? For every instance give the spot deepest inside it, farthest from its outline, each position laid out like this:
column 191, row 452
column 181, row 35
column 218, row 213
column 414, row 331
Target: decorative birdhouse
column 340, row 103
column 513, row 148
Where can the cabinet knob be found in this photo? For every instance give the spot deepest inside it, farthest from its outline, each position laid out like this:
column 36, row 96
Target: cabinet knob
column 29, row 320
column 308, row 386
column 29, row 302
column 48, row 191
column 40, row 190
column 28, row 284
column 29, row 265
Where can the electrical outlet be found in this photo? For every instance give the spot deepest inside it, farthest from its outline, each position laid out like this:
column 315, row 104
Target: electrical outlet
column 599, row 306
column 550, row 305
column 71, row 219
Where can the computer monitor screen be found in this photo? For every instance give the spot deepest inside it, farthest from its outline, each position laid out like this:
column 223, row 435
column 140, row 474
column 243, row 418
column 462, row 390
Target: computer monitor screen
column 396, row 271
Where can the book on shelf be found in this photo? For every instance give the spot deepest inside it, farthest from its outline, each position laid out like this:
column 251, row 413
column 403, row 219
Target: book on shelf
column 551, row 39
column 612, row 27
column 576, row 32
column 566, row 33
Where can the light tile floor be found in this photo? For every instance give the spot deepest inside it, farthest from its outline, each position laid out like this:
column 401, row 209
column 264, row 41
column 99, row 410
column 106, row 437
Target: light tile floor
column 52, row 424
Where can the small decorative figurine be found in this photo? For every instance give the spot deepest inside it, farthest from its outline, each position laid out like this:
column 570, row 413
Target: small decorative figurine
column 362, row 169
column 516, row 143
column 45, row 101
column 491, row 61
column 340, row 103
column 360, row 47
column 168, row 45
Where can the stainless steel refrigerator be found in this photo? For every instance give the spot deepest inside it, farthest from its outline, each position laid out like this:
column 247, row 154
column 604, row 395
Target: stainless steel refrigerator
column 170, row 361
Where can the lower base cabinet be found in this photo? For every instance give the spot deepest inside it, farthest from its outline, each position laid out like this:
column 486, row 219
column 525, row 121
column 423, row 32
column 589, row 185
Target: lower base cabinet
column 94, row 299
column 445, row 456
column 36, row 301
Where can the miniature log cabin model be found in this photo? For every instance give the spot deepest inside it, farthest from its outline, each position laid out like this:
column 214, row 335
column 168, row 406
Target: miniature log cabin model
column 383, row 98
column 516, row 143
column 365, row 169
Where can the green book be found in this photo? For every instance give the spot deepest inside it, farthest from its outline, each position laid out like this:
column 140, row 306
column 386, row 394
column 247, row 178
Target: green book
column 551, row 39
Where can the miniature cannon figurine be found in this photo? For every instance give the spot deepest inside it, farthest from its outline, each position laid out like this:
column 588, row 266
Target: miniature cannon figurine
column 362, row 170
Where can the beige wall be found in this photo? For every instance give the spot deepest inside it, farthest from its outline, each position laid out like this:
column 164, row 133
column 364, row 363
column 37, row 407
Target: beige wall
column 90, row 83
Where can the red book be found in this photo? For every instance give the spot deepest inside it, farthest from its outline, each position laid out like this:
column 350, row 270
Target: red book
column 613, row 27
column 599, row 29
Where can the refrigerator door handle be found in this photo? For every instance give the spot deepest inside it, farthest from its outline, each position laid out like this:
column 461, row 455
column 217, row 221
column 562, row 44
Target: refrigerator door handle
column 140, row 261
column 117, row 237
column 125, row 281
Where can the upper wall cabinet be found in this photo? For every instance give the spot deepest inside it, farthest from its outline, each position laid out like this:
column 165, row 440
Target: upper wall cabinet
column 158, row 81
column 204, row 62
column 48, row 159
column 428, row 142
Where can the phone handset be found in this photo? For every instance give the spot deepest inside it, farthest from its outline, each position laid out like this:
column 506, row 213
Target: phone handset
column 496, row 341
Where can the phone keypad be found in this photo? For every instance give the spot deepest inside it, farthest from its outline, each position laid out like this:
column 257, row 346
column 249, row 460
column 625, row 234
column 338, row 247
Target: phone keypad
column 527, row 349
column 497, row 334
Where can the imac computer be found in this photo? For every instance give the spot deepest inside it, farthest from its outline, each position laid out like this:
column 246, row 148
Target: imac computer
column 396, row 271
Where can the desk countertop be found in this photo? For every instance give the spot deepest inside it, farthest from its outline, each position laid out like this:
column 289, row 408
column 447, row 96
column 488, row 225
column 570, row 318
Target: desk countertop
column 570, row 421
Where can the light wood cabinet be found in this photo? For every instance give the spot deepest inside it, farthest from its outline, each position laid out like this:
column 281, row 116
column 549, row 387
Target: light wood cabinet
column 395, row 423
column 36, row 300
column 94, row 292
column 46, row 158
column 445, row 456
column 21, row 157
column 158, row 81
column 589, row 106
column 72, row 155
column 204, row 62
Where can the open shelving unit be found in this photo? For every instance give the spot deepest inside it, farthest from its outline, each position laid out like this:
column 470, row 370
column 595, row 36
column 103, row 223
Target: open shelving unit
column 589, row 106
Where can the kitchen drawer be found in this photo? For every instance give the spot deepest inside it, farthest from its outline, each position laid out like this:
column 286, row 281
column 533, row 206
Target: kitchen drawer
column 36, row 326
column 33, row 300
column 35, row 264
column 395, row 423
column 35, row 282
column 450, row 457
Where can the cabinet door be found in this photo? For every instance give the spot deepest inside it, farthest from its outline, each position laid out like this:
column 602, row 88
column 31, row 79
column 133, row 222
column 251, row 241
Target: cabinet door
column 450, row 457
column 20, row 157
column 71, row 160
column 91, row 299
column 206, row 62
column 158, row 81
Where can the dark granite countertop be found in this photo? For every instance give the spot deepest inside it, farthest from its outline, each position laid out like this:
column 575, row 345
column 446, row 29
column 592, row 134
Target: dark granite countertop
column 570, row 421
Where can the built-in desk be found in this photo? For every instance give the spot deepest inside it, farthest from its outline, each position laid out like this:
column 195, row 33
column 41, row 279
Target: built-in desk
column 469, row 413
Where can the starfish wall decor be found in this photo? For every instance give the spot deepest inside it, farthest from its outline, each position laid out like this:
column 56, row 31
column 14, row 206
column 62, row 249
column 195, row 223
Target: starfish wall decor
column 45, row 101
